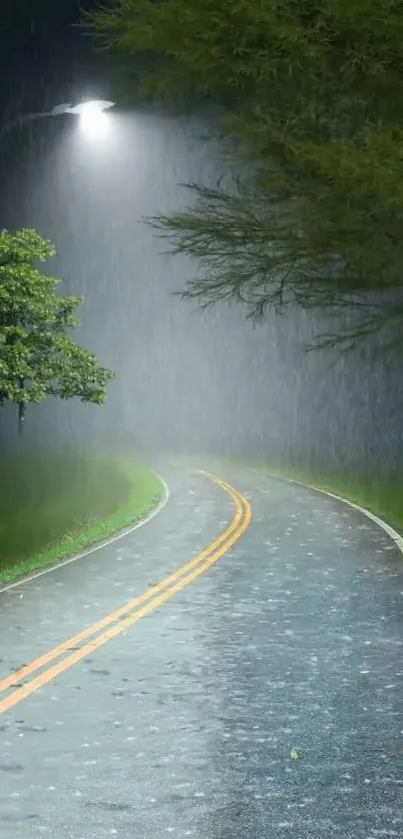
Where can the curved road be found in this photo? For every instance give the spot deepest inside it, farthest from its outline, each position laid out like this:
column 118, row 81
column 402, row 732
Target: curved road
column 256, row 693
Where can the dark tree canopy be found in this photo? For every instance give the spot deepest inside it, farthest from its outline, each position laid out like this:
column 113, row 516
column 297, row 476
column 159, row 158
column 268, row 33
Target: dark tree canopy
column 37, row 358
column 312, row 95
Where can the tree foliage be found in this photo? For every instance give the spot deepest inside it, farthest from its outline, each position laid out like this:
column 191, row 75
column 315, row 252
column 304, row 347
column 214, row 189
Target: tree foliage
column 312, row 93
column 37, row 358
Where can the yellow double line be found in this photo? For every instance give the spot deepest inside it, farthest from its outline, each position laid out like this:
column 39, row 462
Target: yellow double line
column 128, row 614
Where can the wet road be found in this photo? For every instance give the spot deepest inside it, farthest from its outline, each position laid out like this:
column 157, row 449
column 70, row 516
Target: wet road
column 183, row 722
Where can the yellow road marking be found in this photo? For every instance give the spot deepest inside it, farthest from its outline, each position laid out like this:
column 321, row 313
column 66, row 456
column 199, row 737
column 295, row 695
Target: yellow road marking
column 8, row 681
column 168, row 587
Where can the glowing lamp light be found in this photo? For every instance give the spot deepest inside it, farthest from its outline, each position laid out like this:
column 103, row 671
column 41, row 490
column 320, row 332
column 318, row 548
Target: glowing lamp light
column 93, row 119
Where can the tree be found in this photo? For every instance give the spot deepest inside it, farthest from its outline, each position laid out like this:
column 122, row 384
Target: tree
column 37, row 358
column 312, row 100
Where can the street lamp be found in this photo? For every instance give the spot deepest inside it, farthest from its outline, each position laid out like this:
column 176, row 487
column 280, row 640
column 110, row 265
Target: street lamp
column 92, row 115
column 93, row 120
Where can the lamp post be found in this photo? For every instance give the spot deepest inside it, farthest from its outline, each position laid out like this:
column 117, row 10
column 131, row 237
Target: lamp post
column 93, row 119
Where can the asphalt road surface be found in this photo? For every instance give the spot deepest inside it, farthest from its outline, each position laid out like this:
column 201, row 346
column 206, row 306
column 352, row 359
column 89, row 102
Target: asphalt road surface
column 257, row 692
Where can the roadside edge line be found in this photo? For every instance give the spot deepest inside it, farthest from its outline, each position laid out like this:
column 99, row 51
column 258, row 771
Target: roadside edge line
column 36, row 574
column 232, row 534
column 387, row 528
column 131, row 605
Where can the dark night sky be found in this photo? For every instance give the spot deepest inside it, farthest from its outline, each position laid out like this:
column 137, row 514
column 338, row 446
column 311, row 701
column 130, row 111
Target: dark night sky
column 42, row 54
column 45, row 59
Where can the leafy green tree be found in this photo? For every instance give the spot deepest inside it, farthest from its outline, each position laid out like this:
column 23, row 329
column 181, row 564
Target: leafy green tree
column 312, row 115
column 37, row 358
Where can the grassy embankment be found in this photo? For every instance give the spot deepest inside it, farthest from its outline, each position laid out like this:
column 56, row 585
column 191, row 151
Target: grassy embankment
column 381, row 494
column 54, row 507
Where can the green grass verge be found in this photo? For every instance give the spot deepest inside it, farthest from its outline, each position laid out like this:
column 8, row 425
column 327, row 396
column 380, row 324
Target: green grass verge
column 380, row 494
column 53, row 508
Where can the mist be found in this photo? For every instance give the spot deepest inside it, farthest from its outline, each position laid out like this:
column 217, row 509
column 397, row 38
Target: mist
column 186, row 380
column 202, row 652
